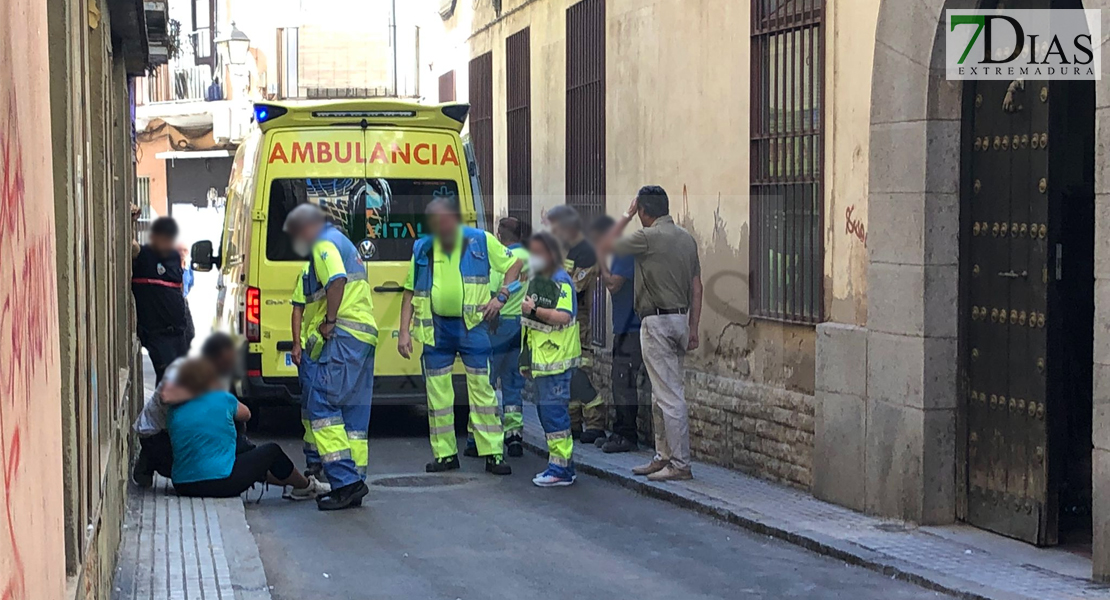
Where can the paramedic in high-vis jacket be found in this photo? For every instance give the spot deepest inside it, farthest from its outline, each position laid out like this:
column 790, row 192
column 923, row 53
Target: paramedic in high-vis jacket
column 341, row 342
column 447, row 303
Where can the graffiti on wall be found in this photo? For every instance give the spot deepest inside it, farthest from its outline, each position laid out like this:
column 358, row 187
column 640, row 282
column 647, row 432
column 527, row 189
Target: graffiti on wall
column 27, row 328
column 854, row 226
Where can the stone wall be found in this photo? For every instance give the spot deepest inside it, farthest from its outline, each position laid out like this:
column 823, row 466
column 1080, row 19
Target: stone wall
column 758, row 429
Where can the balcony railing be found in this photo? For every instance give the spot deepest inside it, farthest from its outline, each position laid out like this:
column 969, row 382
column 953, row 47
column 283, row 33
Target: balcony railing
column 174, row 85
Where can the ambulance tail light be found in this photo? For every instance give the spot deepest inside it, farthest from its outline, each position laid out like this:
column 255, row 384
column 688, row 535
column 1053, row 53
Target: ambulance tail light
column 254, row 315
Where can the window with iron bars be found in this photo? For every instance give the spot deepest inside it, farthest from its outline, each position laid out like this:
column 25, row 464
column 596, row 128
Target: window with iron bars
column 585, row 141
column 518, row 124
column 787, row 160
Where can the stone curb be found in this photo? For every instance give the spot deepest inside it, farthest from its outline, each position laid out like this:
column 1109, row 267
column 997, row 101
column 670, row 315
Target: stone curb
column 248, row 577
column 762, row 524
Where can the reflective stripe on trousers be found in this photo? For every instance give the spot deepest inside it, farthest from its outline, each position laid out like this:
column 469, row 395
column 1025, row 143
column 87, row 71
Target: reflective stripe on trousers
column 552, row 400
column 453, row 338
column 339, row 407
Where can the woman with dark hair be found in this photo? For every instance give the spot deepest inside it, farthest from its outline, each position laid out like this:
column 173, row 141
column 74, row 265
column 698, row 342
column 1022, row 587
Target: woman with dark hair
column 552, row 352
column 203, row 436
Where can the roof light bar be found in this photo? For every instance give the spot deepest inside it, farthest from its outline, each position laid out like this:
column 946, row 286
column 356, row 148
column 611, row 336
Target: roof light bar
column 364, row 114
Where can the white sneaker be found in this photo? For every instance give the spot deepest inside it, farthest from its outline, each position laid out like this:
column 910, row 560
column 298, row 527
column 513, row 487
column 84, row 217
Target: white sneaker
column 315, row 488
column 549, row 480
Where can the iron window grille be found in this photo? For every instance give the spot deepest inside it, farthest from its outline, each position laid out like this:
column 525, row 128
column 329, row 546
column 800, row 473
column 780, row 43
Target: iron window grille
column 585, row 143
column 518, row 124
column 787, row 160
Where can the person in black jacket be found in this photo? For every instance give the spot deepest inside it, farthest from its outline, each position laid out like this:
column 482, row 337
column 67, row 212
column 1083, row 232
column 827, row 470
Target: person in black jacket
column 156, row 283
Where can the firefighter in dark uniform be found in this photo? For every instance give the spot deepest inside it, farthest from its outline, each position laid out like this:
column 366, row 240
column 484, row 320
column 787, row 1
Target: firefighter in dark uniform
column 156, row 283
column 588, row 413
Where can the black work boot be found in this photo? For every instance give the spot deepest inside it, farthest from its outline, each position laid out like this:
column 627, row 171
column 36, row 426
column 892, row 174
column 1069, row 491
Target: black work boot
column 348, row 496
column 515, row 444
column 497, row 465
column 618, row 443
column 591, row 435
column 441, row 465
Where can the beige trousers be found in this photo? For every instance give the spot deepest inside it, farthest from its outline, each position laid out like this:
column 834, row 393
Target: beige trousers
column 664, row 339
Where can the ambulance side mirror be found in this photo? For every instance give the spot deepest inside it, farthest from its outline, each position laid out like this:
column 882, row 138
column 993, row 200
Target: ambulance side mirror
column 203, row 261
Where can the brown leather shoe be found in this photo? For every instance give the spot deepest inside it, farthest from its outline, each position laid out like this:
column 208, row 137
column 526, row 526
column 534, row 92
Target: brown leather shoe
column 670, row 473
column 652, row 467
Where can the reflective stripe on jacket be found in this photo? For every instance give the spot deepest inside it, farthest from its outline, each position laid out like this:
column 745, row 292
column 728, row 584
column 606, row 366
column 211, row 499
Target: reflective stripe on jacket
column 474, row 268
column 555, row 349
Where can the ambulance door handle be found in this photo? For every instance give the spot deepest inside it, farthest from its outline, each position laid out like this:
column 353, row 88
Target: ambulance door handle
column 389, row 289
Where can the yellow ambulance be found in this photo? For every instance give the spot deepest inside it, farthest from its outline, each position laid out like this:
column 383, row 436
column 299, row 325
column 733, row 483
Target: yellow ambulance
column 372, row 166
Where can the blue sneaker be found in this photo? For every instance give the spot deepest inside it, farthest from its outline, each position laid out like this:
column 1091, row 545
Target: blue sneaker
column 550, row 478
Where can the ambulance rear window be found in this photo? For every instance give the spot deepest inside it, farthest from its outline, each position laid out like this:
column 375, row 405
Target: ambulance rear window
column 383, row 217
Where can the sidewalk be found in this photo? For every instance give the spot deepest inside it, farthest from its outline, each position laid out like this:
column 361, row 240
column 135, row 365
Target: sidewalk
column 176, row 548
column 958, row 560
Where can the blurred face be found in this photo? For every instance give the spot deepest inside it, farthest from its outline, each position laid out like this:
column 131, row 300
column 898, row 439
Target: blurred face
column 444, row 224
column 161, row 244
column 561, row 233
column 539, row 259
column 225, row 363
column 305, row 237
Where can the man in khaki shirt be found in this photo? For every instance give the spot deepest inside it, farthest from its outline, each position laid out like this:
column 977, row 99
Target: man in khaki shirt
column 668, row 300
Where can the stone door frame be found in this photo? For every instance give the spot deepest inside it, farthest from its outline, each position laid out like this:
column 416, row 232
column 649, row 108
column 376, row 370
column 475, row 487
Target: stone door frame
column 887, row 401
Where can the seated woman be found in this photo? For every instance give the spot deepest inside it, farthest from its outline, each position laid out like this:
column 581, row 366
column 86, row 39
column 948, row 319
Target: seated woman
column 203, row 437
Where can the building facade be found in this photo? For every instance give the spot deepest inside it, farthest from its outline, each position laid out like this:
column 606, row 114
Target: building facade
column 69, row 354
column 632, row 93
column 891, row 319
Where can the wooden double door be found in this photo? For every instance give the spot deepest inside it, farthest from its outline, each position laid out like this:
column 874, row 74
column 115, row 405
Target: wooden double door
column 1027, row 305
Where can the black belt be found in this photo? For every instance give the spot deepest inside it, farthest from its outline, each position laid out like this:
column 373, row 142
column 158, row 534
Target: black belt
column 667, row 311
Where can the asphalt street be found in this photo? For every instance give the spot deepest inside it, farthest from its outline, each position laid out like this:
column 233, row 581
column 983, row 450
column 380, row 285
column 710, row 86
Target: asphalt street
column 472, row 535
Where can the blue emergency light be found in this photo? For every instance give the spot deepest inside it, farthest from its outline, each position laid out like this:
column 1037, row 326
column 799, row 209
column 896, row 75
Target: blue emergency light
column 265, row 112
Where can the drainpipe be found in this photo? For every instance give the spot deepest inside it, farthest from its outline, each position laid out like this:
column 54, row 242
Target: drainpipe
column 393, row 36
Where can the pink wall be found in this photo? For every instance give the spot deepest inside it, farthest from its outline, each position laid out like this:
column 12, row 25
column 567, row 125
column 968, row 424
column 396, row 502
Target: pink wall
column 32, row 553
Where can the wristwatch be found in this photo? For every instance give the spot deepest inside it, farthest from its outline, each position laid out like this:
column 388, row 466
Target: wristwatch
column 328, row 321
column 502, row 297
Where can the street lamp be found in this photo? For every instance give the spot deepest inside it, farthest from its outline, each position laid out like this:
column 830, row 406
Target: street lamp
column 234, row 47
